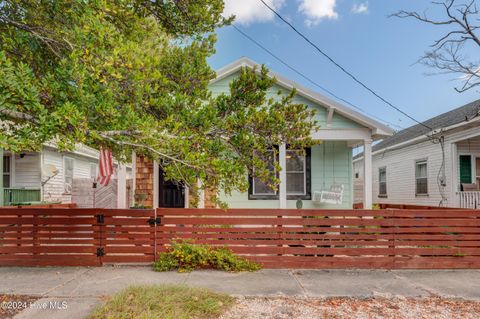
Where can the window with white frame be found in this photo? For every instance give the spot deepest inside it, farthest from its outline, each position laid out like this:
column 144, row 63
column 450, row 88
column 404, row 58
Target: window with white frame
column 6, row 171
column 298, row 177
column 260, row 188
column 421, row 177
column 68, row 169
column 382, row 181
column 296, row 172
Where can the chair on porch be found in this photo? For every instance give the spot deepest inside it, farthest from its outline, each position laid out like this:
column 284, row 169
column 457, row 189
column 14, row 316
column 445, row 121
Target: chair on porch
column 334, row 196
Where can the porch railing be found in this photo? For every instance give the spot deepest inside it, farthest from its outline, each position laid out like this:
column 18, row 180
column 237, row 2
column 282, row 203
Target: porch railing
column 20, row 195
column 469, row 199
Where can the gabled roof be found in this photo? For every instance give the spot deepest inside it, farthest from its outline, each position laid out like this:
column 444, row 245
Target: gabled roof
column 379, row 130
column 458, row 116
column 462, row 114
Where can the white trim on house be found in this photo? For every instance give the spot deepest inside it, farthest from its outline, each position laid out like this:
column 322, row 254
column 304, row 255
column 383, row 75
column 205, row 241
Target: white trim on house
column 379, row 130
column 423, row 138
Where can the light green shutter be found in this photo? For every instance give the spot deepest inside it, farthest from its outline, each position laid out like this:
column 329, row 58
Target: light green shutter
column 465, row 169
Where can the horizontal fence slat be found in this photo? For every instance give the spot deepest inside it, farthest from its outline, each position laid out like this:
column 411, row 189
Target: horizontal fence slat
column 291, row 238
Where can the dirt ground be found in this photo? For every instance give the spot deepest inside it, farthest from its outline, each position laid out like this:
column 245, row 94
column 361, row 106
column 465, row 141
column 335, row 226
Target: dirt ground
column 10, row 305
column 371, row 308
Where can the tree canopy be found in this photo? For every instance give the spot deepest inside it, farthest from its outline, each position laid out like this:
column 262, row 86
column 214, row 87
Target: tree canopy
column 133, row 75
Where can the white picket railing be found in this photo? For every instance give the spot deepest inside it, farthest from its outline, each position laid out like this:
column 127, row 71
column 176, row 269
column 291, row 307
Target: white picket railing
column 469, row 200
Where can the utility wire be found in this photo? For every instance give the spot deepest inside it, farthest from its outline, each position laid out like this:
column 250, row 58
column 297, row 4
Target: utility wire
column 341, row 67
column 308, row 78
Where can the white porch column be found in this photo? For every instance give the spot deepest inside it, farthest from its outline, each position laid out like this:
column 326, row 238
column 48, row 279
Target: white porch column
column 201, row 194
column 367, row 174
column 121, row 186
column 1, row 180
column 282, row 188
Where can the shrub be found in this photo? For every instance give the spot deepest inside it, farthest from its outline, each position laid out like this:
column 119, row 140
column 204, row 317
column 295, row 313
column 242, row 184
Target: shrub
column 185, row 256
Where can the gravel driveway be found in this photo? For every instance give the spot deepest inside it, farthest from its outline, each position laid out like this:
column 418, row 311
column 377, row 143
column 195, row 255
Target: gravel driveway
column 371, row 308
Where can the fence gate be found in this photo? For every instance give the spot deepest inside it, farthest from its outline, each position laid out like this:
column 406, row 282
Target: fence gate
column 75, row 236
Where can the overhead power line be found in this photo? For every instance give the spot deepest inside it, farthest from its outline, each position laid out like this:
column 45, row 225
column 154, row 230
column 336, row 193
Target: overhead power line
column 341, row 67
column 243, row 33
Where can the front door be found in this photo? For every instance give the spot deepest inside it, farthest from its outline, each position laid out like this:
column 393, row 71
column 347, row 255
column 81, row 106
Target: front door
column 171, row 193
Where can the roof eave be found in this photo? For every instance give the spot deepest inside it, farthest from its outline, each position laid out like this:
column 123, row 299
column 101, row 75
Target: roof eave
column 379, row 130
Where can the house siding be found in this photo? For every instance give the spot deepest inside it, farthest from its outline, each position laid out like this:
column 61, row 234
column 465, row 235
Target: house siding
column 400, row 164
column 53, row 190
column 335, row 167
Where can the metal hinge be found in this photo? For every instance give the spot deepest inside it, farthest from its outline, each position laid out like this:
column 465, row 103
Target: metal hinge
column 100, row 252
column 154, row 221
column 101, row 219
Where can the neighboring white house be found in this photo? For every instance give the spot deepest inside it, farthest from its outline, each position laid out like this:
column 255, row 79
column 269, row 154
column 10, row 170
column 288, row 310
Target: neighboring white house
column 52, row 176
column 411, row 168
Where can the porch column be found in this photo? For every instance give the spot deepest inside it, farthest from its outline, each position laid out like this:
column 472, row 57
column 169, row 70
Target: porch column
column 1, row 178
column 367, row 174
column 282, row 188
column 121, row 186
column 201, row 194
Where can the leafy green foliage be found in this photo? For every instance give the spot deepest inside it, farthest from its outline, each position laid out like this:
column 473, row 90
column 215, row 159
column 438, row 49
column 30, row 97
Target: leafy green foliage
column 164, row 301
column 186, row 256
column 133, row 75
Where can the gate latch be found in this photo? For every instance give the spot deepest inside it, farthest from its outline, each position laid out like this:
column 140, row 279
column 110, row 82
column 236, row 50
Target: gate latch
column 154, row 221
column 101, row 219
column 100, row 252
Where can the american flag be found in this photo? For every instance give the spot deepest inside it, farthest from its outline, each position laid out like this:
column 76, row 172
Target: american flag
column 105, row 166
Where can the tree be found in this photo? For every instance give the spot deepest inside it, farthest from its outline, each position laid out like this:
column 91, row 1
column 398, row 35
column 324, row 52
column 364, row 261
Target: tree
column 448, row 52
column 133, row 75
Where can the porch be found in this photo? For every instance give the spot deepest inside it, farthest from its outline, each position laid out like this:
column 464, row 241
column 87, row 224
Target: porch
column 21, row 178
column 468, row 172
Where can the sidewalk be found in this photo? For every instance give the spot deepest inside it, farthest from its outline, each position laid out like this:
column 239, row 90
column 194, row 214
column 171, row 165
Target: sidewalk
column 83, row 288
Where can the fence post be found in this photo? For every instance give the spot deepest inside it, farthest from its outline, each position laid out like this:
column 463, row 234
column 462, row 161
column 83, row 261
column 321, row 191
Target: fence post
column 100, row 222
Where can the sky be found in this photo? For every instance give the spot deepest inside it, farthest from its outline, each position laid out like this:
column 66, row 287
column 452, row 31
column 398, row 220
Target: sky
column 381, row 51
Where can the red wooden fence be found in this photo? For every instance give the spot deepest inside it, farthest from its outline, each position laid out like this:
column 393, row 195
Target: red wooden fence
column 75, row 237
column 391, row 239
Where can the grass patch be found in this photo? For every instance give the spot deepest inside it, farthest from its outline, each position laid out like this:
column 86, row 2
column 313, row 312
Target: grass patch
column 185, row 256
column 164, row 301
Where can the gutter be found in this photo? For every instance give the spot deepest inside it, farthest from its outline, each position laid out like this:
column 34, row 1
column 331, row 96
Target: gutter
column 419, row 139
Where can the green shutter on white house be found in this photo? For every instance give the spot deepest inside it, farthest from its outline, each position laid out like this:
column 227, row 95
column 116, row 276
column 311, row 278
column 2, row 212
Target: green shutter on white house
column 465, row 169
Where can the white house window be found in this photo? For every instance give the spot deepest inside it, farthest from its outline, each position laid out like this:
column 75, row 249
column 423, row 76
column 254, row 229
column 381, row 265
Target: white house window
column 296, row 172
column 6, row 171
column 382, row 182
column 259, row 188
column 421, row 177
column 68, row 166
column 298, row 177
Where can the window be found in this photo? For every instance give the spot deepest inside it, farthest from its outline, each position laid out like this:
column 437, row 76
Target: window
column 68, row 166
column 298, row 178
column 261, row 189
column 465, row 162
column 421, row 177
column 6, row 171
column 382, row 182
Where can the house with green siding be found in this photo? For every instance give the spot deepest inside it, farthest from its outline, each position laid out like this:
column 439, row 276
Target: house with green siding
column 320, row 177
